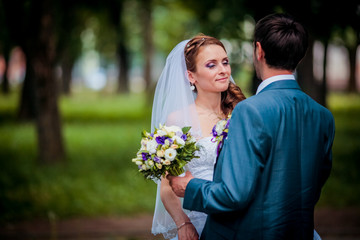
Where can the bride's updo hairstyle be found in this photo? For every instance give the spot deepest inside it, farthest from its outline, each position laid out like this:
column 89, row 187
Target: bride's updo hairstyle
column 233, row 94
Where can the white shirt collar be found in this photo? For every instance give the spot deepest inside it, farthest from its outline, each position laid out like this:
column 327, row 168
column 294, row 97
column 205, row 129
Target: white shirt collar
column 269, row 80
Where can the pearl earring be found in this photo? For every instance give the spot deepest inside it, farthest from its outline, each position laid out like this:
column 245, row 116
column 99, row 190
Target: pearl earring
column 192, row 87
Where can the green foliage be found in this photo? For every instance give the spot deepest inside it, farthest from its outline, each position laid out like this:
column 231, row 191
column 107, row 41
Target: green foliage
column 341, row 189
column 97, row 178
column 102, row 134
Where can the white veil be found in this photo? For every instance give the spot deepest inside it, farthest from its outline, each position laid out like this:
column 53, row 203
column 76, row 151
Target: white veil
column 174, row 104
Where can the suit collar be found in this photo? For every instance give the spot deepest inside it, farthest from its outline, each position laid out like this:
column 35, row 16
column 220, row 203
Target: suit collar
column 284, row 84
column 272, row 79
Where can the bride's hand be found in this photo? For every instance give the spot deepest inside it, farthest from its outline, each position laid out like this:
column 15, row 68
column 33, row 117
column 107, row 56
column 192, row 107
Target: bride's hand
column 188, row 232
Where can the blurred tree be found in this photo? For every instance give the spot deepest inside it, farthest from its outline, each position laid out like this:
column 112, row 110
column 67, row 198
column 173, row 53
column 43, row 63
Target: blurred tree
column 31, row 26
column 116, row 12
column 5, row 48
column 41, row 52
column 68, row 28
column 14, row 16
column 352, row 46
column 146, row 7
column 320, row 17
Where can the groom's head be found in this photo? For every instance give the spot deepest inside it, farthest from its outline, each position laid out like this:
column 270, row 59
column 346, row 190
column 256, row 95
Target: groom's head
column 283, row 39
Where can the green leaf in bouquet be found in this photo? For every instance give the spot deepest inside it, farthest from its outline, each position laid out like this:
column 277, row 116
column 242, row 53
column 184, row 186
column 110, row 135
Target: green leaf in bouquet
column 185, row 130
column 143, row 134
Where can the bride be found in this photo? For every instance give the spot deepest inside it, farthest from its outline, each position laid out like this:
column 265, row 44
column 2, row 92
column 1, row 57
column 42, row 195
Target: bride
column 195, row 89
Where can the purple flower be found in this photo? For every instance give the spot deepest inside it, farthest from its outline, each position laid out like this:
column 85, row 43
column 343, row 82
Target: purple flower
column 214, row 133
column 227, row 124
column 156, row 159
column 183, row 137
column 144, row 156
column 160, row 139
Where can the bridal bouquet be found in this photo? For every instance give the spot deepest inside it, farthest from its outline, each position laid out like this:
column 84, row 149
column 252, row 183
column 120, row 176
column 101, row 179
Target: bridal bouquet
column 220, row 132
column 167, row 149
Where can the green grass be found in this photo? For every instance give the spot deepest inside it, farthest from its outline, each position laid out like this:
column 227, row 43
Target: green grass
column 102, row 134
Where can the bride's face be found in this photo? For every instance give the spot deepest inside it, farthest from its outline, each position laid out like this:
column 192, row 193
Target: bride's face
column 212, row 69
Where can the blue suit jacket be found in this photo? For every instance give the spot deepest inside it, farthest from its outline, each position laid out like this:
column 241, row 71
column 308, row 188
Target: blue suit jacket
column 270, row 172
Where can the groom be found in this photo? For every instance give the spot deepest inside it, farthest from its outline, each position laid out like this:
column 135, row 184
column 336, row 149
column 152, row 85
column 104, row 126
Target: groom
column 269, row 174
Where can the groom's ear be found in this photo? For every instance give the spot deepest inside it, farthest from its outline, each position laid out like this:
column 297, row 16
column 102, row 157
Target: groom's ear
column 259, row 52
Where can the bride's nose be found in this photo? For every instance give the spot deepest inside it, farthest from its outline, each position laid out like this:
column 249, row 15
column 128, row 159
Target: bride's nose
column 223, row 69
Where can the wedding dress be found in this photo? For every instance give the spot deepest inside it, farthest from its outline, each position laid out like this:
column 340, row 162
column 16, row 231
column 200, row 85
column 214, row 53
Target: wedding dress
column 202, row 167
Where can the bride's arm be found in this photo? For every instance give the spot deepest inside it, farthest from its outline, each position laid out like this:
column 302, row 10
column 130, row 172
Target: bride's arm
column 172, row 205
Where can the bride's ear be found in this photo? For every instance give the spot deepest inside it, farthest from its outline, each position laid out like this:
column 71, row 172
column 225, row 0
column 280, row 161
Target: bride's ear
column 191, row 77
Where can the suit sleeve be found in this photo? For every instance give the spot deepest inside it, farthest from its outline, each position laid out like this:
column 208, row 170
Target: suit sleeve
column 327, row 164
column 238, row 169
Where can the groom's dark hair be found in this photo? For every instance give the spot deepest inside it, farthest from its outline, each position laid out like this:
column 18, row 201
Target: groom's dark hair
column 283, row 39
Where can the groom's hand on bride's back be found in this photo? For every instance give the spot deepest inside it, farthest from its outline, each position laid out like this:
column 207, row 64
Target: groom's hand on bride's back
column 178, row 184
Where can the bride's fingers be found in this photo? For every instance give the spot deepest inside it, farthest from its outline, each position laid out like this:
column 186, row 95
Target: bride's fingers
column 188, row 174
column 169, row 177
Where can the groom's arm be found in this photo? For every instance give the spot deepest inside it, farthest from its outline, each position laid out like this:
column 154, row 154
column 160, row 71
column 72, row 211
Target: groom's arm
column 239, row 167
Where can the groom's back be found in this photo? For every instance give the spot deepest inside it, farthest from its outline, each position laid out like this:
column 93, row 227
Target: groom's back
column 298, row 160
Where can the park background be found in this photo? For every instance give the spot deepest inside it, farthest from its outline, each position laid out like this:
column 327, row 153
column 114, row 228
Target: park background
column 77, row 81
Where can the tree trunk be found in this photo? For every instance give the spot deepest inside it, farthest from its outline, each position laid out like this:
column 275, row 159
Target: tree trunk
column 123, row 81
column 323, row 87
column 67, row 66
column 351, row 87
column 306, row 79
column 27, row 107
column 123, row 54
column 42, row 58
column 5, row 86
column 148, row 43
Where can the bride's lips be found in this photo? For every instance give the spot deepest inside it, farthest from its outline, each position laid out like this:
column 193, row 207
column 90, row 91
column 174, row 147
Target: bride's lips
column 222, row 79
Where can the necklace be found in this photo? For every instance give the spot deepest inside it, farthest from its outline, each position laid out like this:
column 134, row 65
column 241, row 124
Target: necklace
column 210, row 113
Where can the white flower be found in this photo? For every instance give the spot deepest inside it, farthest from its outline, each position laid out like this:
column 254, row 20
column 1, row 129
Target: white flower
column 220, row 126
column 178, row 140
column 172, row 129
column 167, row 162
column 167, row 143
column 137, row 161
column 160, row 153
column 143, row 144
column 170, row 154
column 144, row 141
column 160, row 132
column 174, row 146
column 151, row 146
column 191, row 139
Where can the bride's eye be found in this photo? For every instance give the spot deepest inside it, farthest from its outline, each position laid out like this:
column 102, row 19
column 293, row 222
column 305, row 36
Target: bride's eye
column 226, row 62
column 210, row 65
